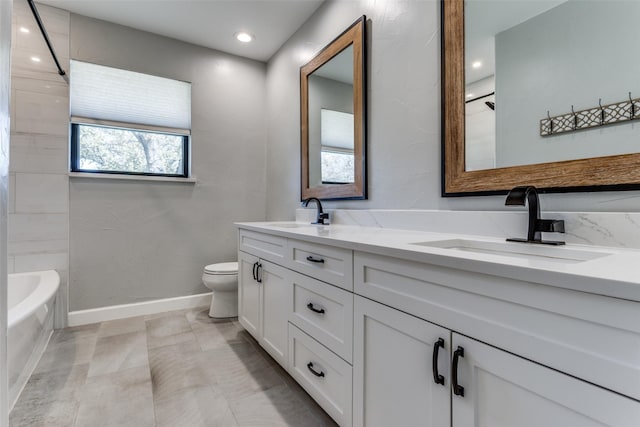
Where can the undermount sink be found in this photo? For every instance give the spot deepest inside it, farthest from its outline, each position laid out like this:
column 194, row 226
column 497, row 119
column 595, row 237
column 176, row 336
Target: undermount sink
column 517, row 250
column 292, row 225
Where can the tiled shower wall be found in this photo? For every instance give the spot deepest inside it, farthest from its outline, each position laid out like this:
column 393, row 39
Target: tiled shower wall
column 38, row 235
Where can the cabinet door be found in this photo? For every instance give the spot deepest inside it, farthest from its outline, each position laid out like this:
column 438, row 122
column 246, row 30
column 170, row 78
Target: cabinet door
column 248, row 294
column 277, row 302
column 504, row 390
column 393, row 376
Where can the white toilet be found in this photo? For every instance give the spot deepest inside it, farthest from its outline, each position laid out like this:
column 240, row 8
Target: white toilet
column 222, row 279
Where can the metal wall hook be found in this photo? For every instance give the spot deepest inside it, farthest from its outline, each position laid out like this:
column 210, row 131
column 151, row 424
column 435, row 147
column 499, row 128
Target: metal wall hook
column 632, row 110
column 575, row 119
column 550, row 122
column 601, row 111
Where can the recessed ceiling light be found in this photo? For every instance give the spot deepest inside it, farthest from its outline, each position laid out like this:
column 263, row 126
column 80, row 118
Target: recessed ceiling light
column 244, row 37
column 469, row 95
column 24, row 30
column 476, row 64
column 35, row 59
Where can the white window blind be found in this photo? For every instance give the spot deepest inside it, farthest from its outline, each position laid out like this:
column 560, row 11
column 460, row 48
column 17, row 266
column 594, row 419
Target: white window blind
column 111, row 94
column 336, row 129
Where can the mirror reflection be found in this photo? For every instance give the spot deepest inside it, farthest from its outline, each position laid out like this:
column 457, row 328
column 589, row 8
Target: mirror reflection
column 331, row 121
column 549, row 80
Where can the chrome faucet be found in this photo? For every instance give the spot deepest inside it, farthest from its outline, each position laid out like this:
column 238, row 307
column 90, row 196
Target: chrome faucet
column 321, row 215
column 519, row 196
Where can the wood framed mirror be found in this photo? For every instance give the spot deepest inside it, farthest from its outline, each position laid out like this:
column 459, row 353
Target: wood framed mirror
column 333, row 119
column 582, row 170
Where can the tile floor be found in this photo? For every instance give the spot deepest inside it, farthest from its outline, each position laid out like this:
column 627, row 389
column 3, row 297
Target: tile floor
column 178, row 369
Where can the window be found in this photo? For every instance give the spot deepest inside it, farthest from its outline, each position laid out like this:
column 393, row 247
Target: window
column 117, row 150
column 128, row 123
column 337, row 166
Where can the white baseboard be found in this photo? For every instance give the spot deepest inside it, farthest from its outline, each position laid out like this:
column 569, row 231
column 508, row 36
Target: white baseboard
column 102, row 314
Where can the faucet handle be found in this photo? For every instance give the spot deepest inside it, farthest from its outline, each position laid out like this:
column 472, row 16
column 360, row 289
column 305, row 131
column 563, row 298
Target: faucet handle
column 550, row 225
column 321, row 217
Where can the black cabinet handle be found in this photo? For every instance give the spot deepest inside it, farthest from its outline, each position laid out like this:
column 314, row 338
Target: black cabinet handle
column 312, row 259
column 437, row 378
column 458, row 390
column 259, row 273
column 313, row 371
column 255, row 266
column 315, row 310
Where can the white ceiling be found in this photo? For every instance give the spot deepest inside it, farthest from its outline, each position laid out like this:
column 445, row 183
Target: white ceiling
column 209, row 23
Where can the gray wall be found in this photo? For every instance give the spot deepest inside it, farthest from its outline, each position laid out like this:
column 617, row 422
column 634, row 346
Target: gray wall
column 545, row 64
column 404, row 114
column 135, row 241
column 5, row 89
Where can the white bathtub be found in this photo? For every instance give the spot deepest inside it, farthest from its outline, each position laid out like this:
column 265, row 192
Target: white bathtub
column 30, row 322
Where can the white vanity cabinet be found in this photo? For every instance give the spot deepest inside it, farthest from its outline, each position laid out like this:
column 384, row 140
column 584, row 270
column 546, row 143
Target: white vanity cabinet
column 398, row 358
column 264, row 301
column 378, row 340
column 304, row 323
column 538, row 325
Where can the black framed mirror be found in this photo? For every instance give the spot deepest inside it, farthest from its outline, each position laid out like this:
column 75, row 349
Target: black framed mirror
column 557, row 102
column 333, row 119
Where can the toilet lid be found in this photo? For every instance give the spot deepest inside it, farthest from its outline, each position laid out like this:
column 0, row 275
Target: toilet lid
column 222, row 268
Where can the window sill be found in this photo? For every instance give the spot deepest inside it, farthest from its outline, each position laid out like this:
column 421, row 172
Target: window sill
column 191, row 180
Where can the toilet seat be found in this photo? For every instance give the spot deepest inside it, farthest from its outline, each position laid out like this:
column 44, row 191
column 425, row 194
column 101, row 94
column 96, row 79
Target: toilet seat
column 223, row 268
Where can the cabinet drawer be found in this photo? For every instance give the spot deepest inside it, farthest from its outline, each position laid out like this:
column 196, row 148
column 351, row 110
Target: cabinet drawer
column 265, row 246
column 327, row 263
column 325, row 376
column 325, row 312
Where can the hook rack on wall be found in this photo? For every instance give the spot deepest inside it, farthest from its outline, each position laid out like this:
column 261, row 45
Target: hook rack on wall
column 601, row 115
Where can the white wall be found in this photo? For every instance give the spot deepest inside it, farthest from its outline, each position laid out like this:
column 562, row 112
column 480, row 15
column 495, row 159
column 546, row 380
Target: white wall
column 479, row 126
column 545, row 65
column 5, row 88
column 39, row 203
column 403, row 99
column 404, row 114
column 136, row 241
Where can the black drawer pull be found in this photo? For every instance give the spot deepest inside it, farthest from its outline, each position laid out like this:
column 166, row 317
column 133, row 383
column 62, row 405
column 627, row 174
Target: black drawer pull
column 313, row 371
column 458, row 390
column 315, row 310
column 312, row 259
column 255, row 266
column 259, row 273
column 437, row 378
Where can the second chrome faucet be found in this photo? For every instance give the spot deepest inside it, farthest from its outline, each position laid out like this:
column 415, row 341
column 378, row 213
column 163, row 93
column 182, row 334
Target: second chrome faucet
column 519, row 196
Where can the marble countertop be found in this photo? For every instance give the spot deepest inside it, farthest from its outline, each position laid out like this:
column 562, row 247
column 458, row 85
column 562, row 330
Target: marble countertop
column 612, row 272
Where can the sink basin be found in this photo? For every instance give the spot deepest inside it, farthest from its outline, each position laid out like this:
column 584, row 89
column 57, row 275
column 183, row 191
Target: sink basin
column 517, row 250
column 292, row 225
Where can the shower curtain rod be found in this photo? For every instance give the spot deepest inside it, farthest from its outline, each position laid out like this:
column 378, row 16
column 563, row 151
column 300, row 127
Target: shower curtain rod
column 36, row 15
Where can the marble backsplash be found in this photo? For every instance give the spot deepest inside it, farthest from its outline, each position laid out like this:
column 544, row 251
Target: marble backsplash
column 613, row 229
